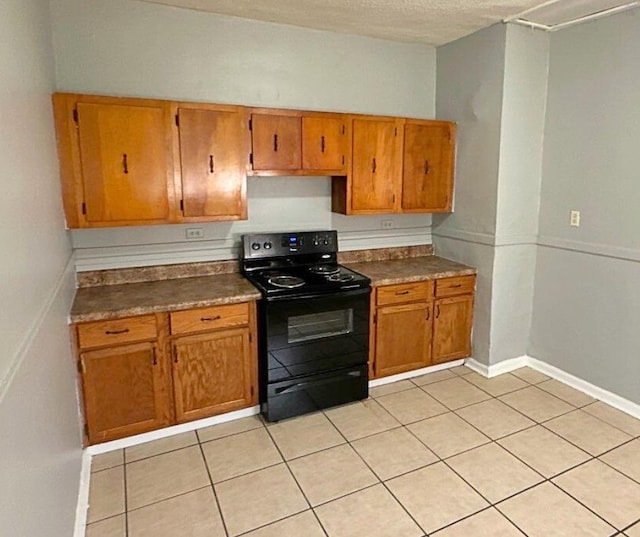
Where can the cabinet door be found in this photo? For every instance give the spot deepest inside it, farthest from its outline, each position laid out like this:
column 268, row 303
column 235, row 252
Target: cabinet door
column 213, row 158
column 427, row 181
column 212, row 373
column 277, row 142
column 324, row 143
column 403, row 338
column 452, row 328
column 375, row 171
column 124, row 391
column 125, row 161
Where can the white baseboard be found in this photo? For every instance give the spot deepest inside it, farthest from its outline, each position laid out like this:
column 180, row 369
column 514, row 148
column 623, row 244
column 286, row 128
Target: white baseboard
column 414, row 373
column 629, row 407
column 83, row 496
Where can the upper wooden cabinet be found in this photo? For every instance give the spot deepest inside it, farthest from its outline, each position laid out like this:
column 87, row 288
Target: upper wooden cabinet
column 287, row 142
column 427, row 176
column 213, row 156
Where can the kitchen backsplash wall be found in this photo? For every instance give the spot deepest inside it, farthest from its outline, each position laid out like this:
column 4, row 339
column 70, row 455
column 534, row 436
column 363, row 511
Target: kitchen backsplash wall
column 130, row 48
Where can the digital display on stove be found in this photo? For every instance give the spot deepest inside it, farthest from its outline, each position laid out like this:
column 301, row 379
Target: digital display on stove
column 293, row 242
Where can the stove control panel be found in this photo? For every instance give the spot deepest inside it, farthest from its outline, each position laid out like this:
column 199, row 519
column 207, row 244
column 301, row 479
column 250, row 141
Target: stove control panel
column 284, row 244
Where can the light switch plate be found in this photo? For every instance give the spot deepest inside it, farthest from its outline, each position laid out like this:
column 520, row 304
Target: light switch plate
column 574, row 219
column 193, row 233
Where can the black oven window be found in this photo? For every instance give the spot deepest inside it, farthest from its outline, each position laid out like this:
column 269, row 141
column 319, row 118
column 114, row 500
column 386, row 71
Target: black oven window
column 320, row 325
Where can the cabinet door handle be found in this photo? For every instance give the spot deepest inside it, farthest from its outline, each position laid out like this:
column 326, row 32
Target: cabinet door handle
column 438, row 311
column 211, row 166
column 154, row 360
column 175, row 354
column 399, row 293
column 428, row 313
column 322, row 144
column 125, row 164
column 210, row 319
column 426, row 167
column 373, row 165
column 456, row 286
column 275, row 143
column 116, row 332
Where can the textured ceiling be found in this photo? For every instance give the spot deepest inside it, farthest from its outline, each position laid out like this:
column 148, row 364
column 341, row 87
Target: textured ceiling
column 433, row 22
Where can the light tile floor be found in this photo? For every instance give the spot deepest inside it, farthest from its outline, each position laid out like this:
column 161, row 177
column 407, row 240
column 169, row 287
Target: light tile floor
column 449, row 454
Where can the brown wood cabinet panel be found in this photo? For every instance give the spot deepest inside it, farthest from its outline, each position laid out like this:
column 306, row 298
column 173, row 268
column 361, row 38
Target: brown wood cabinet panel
column 460, row 285
column 213, row 158
column 452, row 328
column 277, row 142
column 427, row 179
column 212, row 373
column 403, row 338
column 324, row 143
column 125, row 162
column 117, row 331
column 404, row 292
column 124, row 392
column 375, row 175
column 199, row 320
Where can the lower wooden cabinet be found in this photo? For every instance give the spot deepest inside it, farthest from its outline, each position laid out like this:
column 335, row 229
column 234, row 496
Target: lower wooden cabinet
column 420, row 324
column 143, row 373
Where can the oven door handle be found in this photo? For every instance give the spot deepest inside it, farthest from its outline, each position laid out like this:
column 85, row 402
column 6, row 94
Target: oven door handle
column 346, row 293
column 301, row 385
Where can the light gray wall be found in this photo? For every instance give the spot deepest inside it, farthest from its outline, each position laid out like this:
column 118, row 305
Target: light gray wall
column 40, row 442
column 587, row 302
column 130, row 48
column 470, row 75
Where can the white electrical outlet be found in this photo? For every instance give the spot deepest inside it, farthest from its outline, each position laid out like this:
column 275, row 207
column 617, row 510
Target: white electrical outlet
column 386, row 224
column 194, row 233
column 574, row 219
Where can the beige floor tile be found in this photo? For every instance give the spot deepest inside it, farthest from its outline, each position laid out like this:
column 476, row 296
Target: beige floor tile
column 536, row 404
column 240, row 454
column 497, row 385
column 494, row 472
column 544, row 451
column 361, row 419
column 626, row 459
column 157, row 447
column 633, row 531
column 456, row 393
column 588, row 433
column 106, row 494
column 448, row 435
column 566, row 393
column 163, row 476
column 393, row 387
column 194, row 514
column 108, row 460
column 302, row 525
column 435, row 496
column 494, row 418
column 411, row 405
column 394, row 452
column 487, row 523
column 254, row 500
column 615, row 497
column 228, row 428
column 110, row 527
column 430, row 378
column 372, row 512
column 530, row 375
column 615, row 417
column 307, row 434
column 461, row 370
column 332, row 473
column 546, row 511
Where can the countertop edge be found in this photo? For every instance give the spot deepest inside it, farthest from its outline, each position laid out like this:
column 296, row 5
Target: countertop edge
column 423, row 277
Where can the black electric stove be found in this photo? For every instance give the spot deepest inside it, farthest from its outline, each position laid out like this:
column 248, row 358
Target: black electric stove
column 313, row 322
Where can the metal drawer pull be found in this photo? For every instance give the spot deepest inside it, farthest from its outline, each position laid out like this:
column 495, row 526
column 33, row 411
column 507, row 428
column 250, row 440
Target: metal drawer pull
column 275, row 143
column 438, row 311
column 125, row 164
column 211, row 166
column 373, row 165
column 322, row 144
column 456, row 286
column 209, row 319
column 155, row 358
column 428, row 313
column 426, row 167
column 398, row 293
column 116, row 332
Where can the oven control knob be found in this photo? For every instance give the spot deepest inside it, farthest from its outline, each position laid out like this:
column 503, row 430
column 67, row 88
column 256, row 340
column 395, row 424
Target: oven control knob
column 255, row 246
column 267, row 245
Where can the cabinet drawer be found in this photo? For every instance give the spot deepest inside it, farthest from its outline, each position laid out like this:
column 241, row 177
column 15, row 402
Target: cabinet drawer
column 461, row 285
column 185, row 322
column 405, row 292
column 117, row 331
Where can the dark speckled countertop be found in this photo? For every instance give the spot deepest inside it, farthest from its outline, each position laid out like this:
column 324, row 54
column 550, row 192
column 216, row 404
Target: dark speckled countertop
column 112, row 301
column 414, row 269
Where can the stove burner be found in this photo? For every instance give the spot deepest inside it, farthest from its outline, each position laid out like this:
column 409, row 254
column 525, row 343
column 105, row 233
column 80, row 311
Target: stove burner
column 286, row 282
column 324, row 269
column 341, row 277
